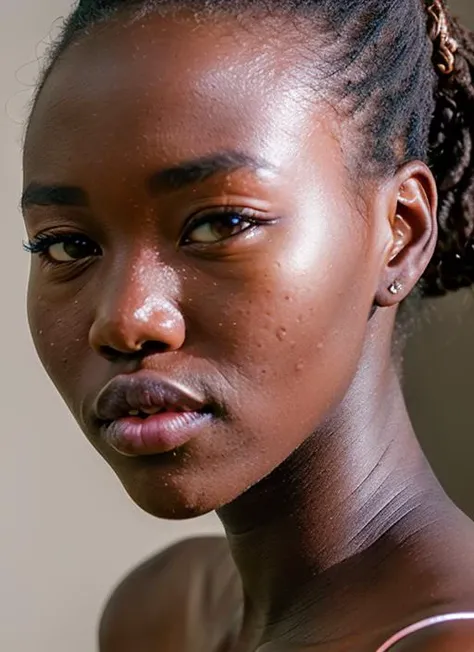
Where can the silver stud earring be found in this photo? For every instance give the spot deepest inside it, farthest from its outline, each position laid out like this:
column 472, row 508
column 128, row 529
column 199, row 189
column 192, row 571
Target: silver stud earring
column 395, row 288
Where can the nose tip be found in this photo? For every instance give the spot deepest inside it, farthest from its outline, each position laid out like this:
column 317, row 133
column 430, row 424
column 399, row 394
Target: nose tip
column 154, row 326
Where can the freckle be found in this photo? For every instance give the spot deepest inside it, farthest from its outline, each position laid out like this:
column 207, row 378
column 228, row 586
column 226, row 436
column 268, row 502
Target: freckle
column 281, row 333
column 287, row 298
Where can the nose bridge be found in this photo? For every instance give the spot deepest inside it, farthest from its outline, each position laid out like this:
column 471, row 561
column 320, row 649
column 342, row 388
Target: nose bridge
column 137, row 303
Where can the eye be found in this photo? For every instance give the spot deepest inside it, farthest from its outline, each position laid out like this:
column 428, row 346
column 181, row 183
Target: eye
column 63, row 248
column 219, row 226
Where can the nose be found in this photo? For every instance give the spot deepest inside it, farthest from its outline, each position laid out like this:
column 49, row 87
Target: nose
column 135, row 317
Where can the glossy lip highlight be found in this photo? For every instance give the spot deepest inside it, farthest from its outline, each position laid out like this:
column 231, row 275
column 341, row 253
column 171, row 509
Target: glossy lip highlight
column 144, row 389
column 171, row 414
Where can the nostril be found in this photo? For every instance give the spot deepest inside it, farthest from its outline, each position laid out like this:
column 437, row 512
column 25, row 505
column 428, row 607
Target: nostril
column 147, row 348
column 150, row 347
column 109, row 353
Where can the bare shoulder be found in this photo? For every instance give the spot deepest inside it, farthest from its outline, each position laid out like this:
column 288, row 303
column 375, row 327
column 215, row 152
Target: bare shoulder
column 183, row 590
column 456, row 636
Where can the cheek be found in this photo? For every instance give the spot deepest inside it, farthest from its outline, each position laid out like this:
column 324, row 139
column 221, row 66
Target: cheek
column 59, row 332
column 291, row 328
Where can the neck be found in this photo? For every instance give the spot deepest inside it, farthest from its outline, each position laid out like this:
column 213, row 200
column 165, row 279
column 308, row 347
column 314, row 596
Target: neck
column 359, row 484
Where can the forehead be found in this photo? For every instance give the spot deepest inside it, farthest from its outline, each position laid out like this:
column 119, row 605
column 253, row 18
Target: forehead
column 174, row 87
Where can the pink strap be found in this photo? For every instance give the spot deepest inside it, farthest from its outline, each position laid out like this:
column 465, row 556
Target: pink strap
column 428, row 622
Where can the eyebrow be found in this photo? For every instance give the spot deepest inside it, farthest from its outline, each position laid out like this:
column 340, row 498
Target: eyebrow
column 199, row 169
column 172, row 178
column 36, row 194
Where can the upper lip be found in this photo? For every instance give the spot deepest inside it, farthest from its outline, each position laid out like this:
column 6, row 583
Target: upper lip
column 143, row 391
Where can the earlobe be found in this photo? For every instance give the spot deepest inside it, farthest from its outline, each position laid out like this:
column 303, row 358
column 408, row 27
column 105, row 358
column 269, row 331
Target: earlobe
column 414, row 233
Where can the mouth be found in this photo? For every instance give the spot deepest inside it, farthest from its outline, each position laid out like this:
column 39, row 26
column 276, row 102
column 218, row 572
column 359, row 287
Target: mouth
column 144, row 414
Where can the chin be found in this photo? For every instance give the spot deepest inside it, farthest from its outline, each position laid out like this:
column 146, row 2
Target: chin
column 173, row 496
column 173, row 510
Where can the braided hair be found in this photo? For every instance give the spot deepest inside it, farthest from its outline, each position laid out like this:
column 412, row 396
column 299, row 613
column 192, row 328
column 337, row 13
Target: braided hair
column 388, row 66
column 450, row 156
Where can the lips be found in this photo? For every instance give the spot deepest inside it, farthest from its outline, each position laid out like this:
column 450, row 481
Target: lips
column 145, row 414
column 144, row 392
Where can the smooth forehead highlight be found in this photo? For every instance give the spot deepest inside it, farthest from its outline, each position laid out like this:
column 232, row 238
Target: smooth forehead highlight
column 371, row 54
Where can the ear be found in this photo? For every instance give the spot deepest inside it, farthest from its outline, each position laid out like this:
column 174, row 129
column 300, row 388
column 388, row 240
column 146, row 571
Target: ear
column 412, row 213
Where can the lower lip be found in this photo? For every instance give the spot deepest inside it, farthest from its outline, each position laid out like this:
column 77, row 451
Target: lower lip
column 158, row 433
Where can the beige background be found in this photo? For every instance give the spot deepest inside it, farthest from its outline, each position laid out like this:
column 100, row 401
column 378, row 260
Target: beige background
column 68, row 531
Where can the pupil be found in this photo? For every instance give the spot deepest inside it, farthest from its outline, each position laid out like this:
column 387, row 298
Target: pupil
column 79, row 248
column 227, row 225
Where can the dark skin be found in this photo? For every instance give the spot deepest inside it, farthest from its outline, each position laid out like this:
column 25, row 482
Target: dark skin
column 270, row 317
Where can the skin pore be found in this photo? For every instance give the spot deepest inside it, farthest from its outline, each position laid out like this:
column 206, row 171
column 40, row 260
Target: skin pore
column 310, row 460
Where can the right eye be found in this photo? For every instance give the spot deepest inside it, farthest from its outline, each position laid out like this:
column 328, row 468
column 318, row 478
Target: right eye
column 63, row 248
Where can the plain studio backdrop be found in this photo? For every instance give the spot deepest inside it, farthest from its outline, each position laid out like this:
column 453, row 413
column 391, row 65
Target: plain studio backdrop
column 68, row 531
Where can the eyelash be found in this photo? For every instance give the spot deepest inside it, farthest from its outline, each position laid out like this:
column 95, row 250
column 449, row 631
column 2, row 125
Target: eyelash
column 43, row 241
column 244, row 214
column 40, row 244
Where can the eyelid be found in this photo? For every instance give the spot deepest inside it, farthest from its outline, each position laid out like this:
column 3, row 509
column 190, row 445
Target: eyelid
column 243, row 211
column 251, row 215
column 44, row 240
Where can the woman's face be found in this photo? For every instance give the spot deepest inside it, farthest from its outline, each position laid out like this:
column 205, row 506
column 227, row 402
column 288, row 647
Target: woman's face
column 239, row 281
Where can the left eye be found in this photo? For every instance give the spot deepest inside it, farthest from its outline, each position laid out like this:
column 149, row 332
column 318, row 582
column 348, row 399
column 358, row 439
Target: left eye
column 215, row 228
column 60, row 248
column 74, row 249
